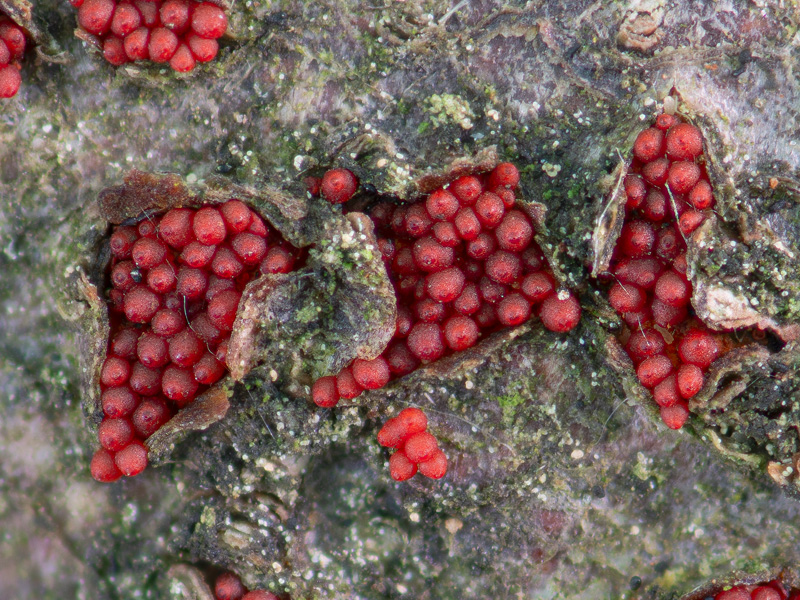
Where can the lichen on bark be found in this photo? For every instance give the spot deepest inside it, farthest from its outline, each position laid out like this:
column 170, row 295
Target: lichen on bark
column 562, row 483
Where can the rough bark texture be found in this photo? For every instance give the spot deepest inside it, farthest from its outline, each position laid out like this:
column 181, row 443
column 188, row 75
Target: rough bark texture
column 562, row 482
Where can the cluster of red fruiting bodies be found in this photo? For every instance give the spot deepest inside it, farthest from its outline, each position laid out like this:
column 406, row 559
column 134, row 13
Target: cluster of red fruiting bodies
column 12, row 47
column 179, row 32
column 416, row 448
column 464, row 264
column 668, row 196
column 773, row 590
column 229, row 587
column 176, row 281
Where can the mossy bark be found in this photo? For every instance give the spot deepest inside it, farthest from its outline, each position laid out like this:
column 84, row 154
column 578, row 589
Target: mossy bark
column 562, row 481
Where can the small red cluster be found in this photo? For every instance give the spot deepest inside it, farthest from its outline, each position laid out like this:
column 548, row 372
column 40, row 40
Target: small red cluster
column 12, row 47
column 179, row 32
column 774, row 590
column 416, row 447
column 668, row 197
column 229, row 587
column 176, row 283
column 463, row 263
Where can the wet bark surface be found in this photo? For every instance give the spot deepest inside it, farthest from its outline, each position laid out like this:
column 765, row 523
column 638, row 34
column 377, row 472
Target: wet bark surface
column 562, row 481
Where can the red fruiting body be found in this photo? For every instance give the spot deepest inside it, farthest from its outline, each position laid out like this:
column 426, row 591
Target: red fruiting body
column 425, row 341
column 701, row 196
column 95, row 16
column 513, row 310
column 347, row 385
column 467, row 224
column 441, row 205
column 684, row 142
column 136, row 43
column 148, row 252
column 461, row 332
column 655, row 173
column 149, row 416
column 504, row 175
column 560, row 315
column 400, row 467
column 400, row 359
column 10, row 80
column 690, row 380
column 125, row 20
column 420, row 447
column 417, row 220
column 445, row 286
column 675, row 416
column 503, row 267
column 466, row 189
column 229, row 587
column 209, row 21
column 672, row 289
column 635, row 191
column 463, row 262
column 637, row 239
column 103, row 468
column 141, row 304
column 209, row 226
column 430, row 256
column 489, row 209
column 682, row 177
column 698, row 348
column 132, row 459
column 435, row 467
column 277, row 260
column 114, row 51
column 666, row 393
column 338, row 185
column 626, row 298
column 653, row 370
column 649, row 145
column 183, row 60
column 114, row 434
column 118, row 402
column 324, row 392
column 691, row 220
column 371, row 374
column 644, row 343
column 163, row 45
column 665, row 121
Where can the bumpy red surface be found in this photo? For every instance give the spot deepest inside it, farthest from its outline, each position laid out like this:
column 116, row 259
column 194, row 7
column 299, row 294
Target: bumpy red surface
column 176, row 281
column 668, row 196
column 12, row 49
column 179, row 32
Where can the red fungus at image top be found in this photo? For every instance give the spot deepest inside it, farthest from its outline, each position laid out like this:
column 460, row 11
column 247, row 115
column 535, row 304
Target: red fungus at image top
column 668, row 196
column 12, row 49
column 181, row 33
column 171, row 311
